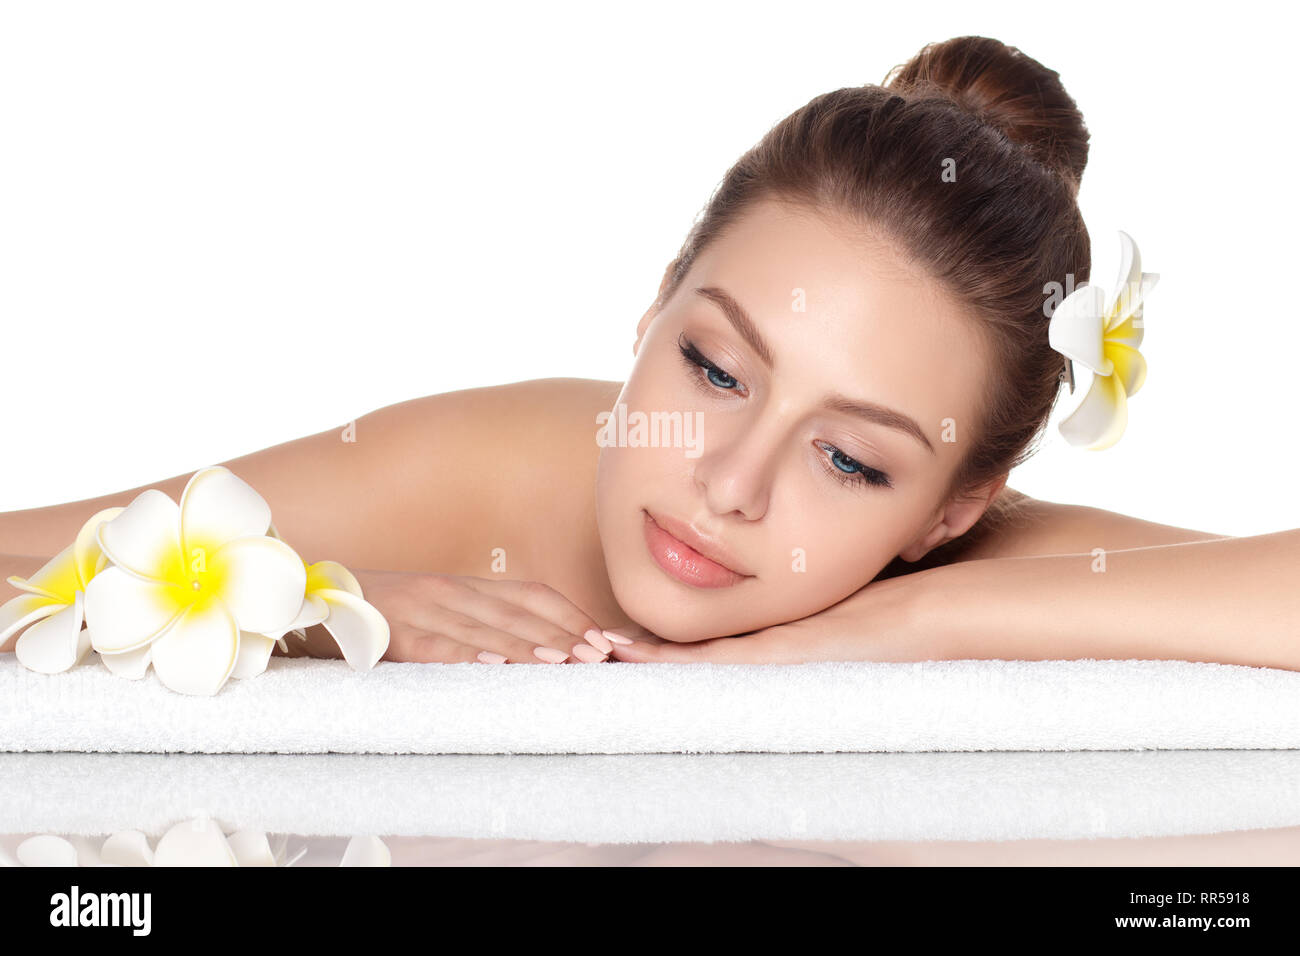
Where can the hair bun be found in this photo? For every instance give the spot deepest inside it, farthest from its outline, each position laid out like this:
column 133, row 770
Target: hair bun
column 1005, row 89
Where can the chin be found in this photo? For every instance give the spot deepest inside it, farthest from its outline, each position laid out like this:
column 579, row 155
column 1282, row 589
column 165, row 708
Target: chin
column 669, row 621
column 660, row 607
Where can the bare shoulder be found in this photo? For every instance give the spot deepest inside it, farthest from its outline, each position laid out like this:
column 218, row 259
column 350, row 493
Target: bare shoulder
column 435, row 483
column 500, row 466
column 527, row 404
column 518, row 407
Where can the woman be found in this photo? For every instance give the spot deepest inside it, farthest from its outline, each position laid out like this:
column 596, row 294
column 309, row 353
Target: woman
column 851, row 351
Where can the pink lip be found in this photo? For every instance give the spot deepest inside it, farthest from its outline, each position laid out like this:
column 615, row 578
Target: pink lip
column 683, row 562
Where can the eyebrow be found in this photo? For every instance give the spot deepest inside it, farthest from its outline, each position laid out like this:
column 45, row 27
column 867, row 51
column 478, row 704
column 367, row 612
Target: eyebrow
column 871, row 411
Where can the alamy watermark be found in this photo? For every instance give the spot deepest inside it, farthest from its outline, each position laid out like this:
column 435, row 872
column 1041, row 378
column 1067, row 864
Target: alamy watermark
column 623, row 429
column 75, row 908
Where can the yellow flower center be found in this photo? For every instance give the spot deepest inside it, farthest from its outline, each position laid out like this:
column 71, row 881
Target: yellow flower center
column 199, row 577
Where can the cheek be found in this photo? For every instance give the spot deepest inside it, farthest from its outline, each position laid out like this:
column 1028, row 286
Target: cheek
column 832, row 555
column 627, row 480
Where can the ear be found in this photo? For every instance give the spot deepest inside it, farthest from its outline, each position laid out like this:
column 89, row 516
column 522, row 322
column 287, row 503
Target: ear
column 651, row 312
column 957, row 517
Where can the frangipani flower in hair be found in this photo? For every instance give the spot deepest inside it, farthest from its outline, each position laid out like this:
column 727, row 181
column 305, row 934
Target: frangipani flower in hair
column 186, row 581
column 1103, row 333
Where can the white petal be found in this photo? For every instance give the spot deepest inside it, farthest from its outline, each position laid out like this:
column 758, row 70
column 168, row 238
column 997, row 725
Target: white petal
column 313, row 611
column 132, row 665
column 198, row 842
column 1076, row 328
column 125, row 612
column 1101, row 417
column 217, row 507
column 1128, row 331
column 254, row 652
column 360, row 631
column 17, row 613
column 1123, row 300
column 56, row 578
column 366, row 851
column 145, row 538
column 331, row 574
column 50, row 646
column 197, row 653
column 127, row 848
column 85, row 549
column 263, row 581
column 251, row 848
column 46, row 850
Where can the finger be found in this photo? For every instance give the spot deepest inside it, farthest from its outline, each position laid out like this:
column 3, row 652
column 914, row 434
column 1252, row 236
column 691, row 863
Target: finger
column 529, row 647
column 485, row 620
column 422, row 647
column 542, row 599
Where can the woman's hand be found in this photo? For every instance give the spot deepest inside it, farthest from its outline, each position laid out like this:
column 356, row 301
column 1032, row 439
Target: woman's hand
column 879, row 622
column 451, row 618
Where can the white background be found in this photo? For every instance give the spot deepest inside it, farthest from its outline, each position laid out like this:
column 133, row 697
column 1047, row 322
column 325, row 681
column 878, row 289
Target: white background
column 226, row 225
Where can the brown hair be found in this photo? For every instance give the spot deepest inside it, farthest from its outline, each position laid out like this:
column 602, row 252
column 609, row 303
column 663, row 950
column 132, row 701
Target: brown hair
column 994, row 236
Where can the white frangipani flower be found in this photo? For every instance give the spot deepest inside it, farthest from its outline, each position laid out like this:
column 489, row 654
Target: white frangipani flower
column 360, row 631
column 201, row 591
column 1103, row 335
column 51, row 607
column 188, row 580
column 333, row 599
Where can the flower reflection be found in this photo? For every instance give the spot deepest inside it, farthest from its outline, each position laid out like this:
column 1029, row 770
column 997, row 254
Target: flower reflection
column 196, row 842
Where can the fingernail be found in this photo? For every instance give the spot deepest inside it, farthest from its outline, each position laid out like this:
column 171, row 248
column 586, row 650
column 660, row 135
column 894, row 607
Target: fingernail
column 617, row 638
column 487, row 657
column 598, row 640
column 551, row 655
column 589, row 654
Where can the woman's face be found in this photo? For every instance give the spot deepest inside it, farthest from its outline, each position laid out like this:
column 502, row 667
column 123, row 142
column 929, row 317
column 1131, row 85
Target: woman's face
column 752, row 440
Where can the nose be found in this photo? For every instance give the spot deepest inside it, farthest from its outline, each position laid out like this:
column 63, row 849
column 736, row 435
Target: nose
column 737, row 464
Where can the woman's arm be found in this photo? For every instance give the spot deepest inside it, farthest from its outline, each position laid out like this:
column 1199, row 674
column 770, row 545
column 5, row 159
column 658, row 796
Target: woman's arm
column 1229, row 600
column 1036, row 527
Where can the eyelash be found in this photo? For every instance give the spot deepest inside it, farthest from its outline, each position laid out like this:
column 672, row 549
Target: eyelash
column 866, row 477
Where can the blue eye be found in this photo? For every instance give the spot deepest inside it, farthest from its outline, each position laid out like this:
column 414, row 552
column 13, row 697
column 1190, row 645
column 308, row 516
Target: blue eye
column 850, row 470
column 841, row 467
column 729, row 383
column 695, row 359
column 844, row 463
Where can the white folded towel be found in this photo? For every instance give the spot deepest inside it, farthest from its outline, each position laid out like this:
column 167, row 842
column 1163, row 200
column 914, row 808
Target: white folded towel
column 303, row 705
column 628, row 798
